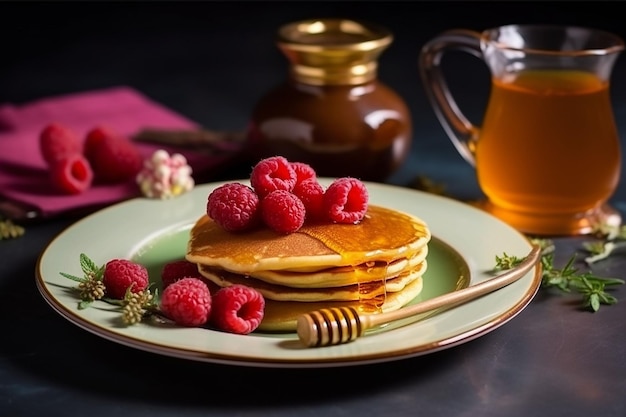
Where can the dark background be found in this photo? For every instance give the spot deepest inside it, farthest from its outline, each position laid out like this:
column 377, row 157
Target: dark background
column 211, row 61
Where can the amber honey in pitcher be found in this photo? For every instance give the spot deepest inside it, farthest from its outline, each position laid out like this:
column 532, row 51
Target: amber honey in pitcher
column 560, row 120
column 547, row 154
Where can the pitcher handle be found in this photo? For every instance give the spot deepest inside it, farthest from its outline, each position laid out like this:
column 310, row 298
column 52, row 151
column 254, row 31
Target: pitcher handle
column 460, row 130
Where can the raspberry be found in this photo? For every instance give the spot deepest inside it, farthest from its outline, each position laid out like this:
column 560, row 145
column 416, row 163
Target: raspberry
column 113, row 158
column 187, row 302
column 283, row 211
column 303, row 171
column 237, row 309
column 121, row 274
column 345, row 200
column 234, row 206
column 57, row 142
column 72, row 174
column 175, row 270
column 270, row 174
column 312, row 195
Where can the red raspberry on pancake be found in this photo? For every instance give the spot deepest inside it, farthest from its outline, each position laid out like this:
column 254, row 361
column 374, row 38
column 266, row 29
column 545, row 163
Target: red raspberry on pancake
column 311, row 193
column 345, row 200
column 234, row 206
column 283, row 211
column 271, row 174
column 303, row 171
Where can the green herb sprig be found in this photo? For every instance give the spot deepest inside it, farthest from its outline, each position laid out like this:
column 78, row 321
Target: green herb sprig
column 134, row 307
column 90, row 285
column 593, row 289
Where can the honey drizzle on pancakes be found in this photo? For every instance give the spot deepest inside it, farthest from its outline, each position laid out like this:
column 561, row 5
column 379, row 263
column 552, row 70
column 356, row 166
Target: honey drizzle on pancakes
column 370, row 235
column 382, row 235
column 380, row 230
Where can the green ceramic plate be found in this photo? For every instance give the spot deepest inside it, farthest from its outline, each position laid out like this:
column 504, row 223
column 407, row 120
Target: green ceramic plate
column 465, row 242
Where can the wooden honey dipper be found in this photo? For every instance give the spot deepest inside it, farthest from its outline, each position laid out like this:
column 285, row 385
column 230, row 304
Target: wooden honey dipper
column 337, row 325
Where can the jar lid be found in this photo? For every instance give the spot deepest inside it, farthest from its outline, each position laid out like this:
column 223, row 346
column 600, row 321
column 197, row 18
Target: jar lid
column 333, row 51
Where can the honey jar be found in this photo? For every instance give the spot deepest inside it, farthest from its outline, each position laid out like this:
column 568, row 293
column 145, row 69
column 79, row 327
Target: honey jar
column 332, row 111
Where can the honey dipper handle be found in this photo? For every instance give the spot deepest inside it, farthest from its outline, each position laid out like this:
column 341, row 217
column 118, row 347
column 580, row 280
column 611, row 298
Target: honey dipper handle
column 343, row 325
column 461, row 296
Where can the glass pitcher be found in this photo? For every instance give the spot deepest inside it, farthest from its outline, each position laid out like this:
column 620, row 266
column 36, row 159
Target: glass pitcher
column 547, row 154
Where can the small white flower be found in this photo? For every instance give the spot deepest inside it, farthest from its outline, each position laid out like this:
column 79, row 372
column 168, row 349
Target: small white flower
column 164, row 176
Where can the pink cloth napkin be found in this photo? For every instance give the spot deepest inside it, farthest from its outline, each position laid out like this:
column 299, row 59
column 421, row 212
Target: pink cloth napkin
column 23, row 172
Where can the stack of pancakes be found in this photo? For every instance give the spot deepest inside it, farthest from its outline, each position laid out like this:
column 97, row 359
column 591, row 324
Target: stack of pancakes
column 375, row 265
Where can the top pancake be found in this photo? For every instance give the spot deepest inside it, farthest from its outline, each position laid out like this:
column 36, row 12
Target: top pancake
column 383, row 235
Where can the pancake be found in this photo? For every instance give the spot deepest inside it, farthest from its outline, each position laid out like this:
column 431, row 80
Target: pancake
column 281, row 316
column 365, row 290
column 383, row 235
column 376, row 265
column 341, row 275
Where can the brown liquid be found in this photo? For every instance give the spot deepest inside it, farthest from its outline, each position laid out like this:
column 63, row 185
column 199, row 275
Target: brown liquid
column 363, row 131
column 548, row 144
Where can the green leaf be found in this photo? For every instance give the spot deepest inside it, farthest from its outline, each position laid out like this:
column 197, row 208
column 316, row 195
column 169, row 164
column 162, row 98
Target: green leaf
column 87, row 265
column 612, row 281
column 73, row 277
column 606, row 298
column 506, row 261
column 594, row 302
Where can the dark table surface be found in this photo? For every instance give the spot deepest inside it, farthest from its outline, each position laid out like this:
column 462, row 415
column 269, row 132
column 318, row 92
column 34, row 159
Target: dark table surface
column 211, row 62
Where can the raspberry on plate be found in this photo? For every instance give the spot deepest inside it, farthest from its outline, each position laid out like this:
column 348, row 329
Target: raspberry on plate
column 283, row 211
column 122, row 274
column 345, row 200
column 114, row 158
column 175, row 270
column 57, row 142
column 237, row 309
column 271, row 174
column 71, row 174
column 234, row 206
column 187, row 302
